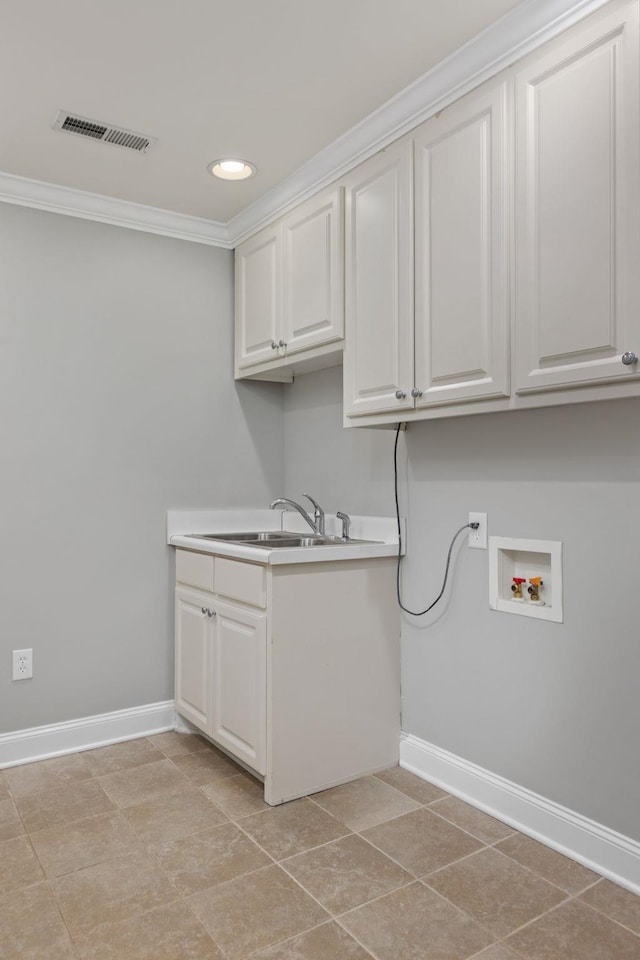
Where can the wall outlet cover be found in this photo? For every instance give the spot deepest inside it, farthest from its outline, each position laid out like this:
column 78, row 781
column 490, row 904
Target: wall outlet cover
column 478, row 538
column 22, row 661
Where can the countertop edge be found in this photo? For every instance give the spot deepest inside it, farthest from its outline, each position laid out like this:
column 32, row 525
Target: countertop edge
column 286, row 555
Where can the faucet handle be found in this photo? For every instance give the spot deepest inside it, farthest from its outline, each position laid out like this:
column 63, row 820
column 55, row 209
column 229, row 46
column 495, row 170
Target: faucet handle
column 314, row 502
column 318, row 515
column 346, row 523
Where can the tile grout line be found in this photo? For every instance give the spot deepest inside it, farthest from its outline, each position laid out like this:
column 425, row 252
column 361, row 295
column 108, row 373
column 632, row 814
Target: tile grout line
column 420, row 877
column 181, row 897
column 45, row 879
column 569, row 899
column 487, row 843
column 607, row 915
column 566, row 893
column 338, row 918
column 119, row 810
column 330, row 917
column 423, row 880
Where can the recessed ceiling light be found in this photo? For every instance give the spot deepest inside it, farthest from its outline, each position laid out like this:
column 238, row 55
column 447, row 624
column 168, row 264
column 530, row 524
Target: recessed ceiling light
column 231, row 169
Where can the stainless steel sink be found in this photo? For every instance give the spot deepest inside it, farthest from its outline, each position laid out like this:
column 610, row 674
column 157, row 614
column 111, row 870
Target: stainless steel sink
column 268, row 539
column 243, row 537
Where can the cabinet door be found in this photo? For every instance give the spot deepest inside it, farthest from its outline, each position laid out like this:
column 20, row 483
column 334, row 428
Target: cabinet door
column 577, row 211
column 378, row 362
column 258, row 297
column 313, row 273
column 462, row 269
column 240, row 683
column 193, row 649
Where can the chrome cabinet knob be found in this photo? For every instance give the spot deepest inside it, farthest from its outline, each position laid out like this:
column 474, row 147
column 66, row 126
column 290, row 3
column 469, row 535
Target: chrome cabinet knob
column 274, row 345
column 203, row 609
column 282, row 344
column 416, row 392
column 400, row 395
column 629, row 358
column 211, row 613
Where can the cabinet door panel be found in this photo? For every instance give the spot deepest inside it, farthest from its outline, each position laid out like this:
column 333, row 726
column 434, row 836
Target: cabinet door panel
column 462, row 287
column 240, row 684
column 313, row 273
column 379, row 283
column 577, row 207
column 258, row 295
column 193, row 643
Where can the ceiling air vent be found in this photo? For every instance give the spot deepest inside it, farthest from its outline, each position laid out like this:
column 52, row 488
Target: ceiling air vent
column 83, row 127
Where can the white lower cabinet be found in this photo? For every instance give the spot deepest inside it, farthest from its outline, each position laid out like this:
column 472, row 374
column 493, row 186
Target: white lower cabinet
column 293, row 669
column 193, row 647
column 220, row 658
column 239, row 683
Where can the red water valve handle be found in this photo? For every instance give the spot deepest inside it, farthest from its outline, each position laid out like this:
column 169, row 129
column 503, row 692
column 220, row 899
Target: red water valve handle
column 519, row 579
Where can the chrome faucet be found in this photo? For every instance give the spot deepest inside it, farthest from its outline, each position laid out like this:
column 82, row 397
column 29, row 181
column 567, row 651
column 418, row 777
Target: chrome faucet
column 318, row 514
column 317, row 524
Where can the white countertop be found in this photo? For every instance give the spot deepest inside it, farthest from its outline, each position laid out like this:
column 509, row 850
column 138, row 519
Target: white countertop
column 384, row 530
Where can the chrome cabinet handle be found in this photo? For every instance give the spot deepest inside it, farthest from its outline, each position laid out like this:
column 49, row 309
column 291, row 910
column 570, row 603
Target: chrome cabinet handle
column 400, row 395
column 629, row 358
column 416, row 392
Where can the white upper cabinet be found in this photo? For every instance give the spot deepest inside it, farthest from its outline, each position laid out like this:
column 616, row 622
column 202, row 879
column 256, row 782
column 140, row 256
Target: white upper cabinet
column 290, row 290
column 491, row 256
column 258, row 297
column 461, row 257
column 313, row 273
column 378, row 362
column 577, row 209
column 454, row 345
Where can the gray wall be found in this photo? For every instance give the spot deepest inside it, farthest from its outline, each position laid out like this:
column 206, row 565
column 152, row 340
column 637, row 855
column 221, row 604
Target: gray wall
column 117, row 403
column 554, row 707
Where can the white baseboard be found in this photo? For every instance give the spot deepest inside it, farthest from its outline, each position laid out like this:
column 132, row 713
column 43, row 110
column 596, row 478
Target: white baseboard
column 39, row 743
column 592, row 844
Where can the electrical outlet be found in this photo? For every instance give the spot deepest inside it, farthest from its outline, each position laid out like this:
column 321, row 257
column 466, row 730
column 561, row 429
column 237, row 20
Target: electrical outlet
column 478, row 538
column 22, row 664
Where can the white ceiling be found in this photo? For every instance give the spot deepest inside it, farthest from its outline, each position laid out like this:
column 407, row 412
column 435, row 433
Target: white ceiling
column 272, row 81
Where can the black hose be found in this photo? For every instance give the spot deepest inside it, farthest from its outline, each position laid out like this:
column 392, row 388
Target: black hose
column 417, row 613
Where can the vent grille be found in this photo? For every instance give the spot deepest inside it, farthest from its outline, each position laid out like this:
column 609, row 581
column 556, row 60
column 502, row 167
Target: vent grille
column 83, row 127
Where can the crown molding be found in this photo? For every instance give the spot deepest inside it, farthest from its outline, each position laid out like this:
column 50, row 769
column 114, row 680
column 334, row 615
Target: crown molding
column 119, row 213
column 519, row 32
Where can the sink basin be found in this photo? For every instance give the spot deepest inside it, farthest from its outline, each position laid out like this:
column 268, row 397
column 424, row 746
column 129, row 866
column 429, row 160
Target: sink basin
column 268, row 539
column 243, row 537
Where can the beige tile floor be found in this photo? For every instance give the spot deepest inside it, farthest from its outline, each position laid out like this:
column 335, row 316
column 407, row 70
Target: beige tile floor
column 162, row 849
